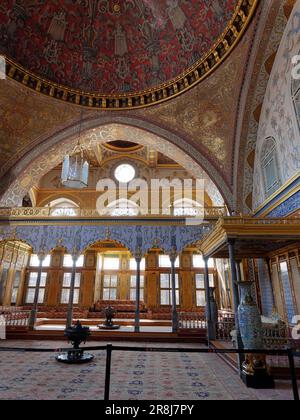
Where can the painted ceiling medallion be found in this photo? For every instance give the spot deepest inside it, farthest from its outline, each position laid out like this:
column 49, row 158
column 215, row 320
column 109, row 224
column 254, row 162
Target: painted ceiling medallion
column 118, row 54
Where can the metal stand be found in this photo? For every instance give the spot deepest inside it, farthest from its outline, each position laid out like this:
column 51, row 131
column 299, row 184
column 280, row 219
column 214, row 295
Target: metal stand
column 76, row 335
column 109, row 324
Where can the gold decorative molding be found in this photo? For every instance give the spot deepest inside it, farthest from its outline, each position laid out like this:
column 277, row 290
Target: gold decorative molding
column 32, row 213
column 123, row 150
column 273, row 197
column 194, row 75
column 245, row 230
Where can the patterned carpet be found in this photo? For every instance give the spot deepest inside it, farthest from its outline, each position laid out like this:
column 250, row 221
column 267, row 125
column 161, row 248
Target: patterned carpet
column 135, row 376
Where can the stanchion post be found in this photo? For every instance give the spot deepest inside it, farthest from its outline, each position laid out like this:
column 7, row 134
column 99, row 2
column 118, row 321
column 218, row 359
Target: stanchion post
column 109, row 350
column 293, row 375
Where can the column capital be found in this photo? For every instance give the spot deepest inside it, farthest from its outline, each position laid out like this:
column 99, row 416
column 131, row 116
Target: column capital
column 75, row 254
column 173, row 254
column 41, row 254
column 59, row 243
column 231, row 241
column 138, row 254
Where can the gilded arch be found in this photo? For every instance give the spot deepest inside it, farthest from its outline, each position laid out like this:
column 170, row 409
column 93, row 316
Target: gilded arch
column 104, row 129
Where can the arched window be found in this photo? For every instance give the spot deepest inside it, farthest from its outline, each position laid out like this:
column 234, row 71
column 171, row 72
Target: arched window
column 295, row 92
column 125, row 173
column 270, row 167
column 63, row 207
column 122, row 207
column 187, row 207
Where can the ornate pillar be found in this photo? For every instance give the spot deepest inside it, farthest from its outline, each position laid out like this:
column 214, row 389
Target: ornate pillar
column 211, row 324
column 173, row 257
column 138, row 259
column 33, row 316
column 269, row 270
column 75, row 256
column 239, row 277
column 236, row 298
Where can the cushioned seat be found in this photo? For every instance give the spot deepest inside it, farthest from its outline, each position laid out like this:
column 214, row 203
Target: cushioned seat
column 118, row 305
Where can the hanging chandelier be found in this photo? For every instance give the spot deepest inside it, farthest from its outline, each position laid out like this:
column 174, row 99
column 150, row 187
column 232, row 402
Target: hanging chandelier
column 75, row 169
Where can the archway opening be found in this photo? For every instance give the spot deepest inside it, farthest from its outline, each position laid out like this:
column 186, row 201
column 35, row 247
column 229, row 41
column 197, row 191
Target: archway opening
column 156, row 141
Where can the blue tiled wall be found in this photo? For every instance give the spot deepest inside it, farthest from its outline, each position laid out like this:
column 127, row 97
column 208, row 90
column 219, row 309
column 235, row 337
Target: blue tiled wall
column 265, row 288
column 286, row 208
column 288, row 297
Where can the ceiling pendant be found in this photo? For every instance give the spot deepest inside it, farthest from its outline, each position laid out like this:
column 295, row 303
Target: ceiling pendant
column 75, row 169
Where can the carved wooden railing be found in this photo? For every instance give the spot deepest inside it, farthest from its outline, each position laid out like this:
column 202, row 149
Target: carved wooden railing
column 15, row 317
column 48, row 212
column 191, row 321
column 197, row 320
column 4, row 309
column 275, row 336
column 225, row 325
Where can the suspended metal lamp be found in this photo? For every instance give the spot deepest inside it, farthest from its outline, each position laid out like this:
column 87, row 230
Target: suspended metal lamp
column 75, row 169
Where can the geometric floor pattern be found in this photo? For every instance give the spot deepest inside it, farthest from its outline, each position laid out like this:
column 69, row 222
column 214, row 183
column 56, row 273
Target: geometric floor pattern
column 135, row 376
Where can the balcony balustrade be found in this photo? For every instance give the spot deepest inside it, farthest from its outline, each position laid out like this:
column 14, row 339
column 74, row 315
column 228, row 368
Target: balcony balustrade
column 207, row 213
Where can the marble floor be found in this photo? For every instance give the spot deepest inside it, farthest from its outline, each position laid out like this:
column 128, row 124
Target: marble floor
column 135, row 376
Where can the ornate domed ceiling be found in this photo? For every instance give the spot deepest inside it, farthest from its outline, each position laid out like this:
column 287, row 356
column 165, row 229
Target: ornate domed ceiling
column 118, row 53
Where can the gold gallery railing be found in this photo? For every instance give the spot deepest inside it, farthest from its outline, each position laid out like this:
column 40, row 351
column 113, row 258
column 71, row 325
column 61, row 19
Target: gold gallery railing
column 48, row 212
column 255, row 221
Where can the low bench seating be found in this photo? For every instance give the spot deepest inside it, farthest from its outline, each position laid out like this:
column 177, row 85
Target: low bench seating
column 59, row 312
column 119, row 315
column 121, row 306
column 125, row 310
column 165, row 312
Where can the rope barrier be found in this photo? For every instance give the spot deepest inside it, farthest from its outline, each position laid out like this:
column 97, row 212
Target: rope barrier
column 110, row 348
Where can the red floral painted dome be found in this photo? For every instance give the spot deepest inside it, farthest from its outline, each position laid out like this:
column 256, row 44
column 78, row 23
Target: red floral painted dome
column 111, row 46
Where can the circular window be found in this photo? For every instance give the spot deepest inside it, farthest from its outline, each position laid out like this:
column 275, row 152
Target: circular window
column 124, row 173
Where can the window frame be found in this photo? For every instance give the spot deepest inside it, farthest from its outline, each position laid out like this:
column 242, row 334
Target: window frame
column 110, row 288
column 169, row 289
column 269, row 155
column 42, row 288
column 15, row 291
column 68, row 261
column 211, row 263
column 46, row 263
column 202, row 289
column 168, row 265
column 133, row 289
column 76, row 288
